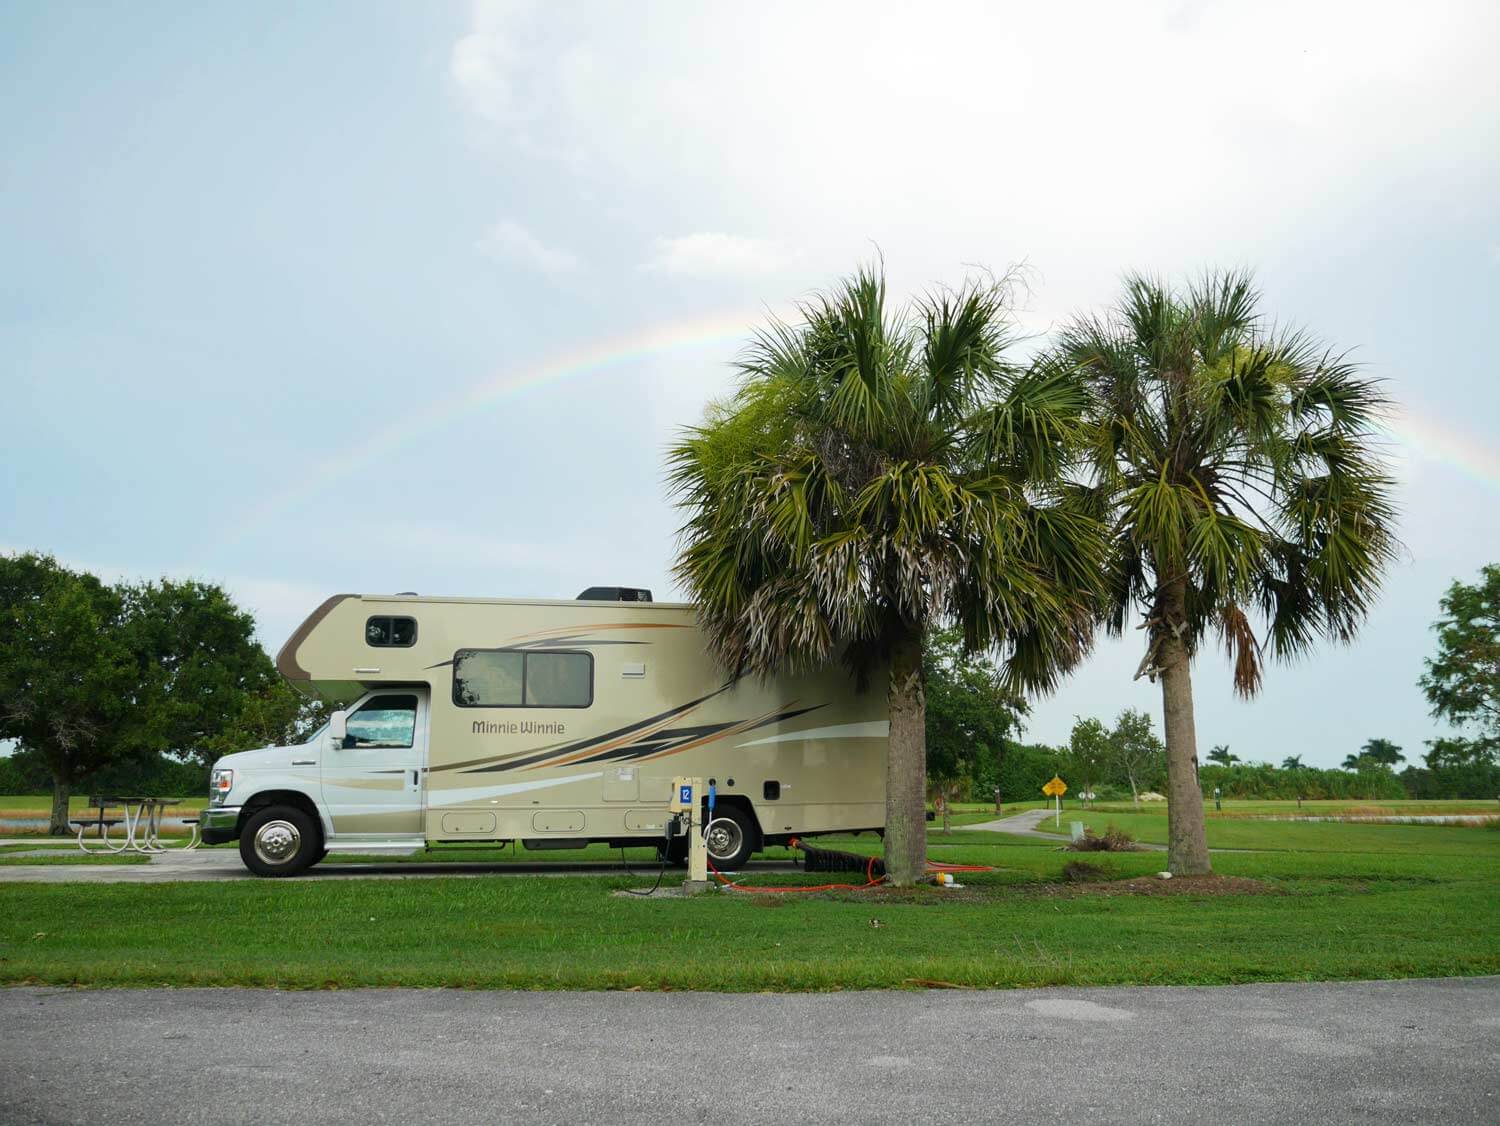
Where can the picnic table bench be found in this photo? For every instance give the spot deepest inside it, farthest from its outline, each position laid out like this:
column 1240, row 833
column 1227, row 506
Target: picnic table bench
column 101, row 823
column 142, row 821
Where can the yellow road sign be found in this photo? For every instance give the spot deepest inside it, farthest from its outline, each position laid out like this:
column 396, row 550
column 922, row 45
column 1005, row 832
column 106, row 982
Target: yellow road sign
column 1055, row 788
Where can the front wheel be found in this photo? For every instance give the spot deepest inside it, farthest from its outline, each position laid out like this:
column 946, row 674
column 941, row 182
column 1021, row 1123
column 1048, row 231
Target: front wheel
column 280, row 840
column 731, row 839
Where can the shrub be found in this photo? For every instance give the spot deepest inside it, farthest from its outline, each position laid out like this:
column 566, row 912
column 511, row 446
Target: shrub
column 1113, row 840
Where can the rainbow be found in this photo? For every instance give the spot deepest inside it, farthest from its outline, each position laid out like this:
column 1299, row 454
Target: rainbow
column 726, row 329
column 1415, row 432
column 1427, row 437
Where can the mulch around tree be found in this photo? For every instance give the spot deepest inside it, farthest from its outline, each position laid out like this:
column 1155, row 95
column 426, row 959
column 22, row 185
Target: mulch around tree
column 1178, row 885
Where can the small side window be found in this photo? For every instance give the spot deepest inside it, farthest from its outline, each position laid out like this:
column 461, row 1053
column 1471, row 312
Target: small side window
column 397, row 633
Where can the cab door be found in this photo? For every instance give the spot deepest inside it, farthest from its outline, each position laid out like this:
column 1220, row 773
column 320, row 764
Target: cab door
column 373, row 783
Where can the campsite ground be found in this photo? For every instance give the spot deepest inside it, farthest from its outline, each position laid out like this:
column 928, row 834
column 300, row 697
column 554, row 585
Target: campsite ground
column 1314, row 901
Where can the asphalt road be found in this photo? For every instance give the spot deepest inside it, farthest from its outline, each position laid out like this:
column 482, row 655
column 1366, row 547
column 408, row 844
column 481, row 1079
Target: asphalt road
column 1411, row 1051
column 215, row 864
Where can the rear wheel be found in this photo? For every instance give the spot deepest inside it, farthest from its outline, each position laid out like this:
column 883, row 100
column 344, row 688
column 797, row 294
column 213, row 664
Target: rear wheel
column 280, row 840
column 731, row 838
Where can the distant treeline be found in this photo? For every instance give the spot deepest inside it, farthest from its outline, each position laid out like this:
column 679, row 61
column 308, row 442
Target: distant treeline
column 1021, row 769
column 27, row 774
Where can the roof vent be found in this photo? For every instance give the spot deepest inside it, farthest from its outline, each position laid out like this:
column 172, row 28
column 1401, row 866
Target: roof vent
column 615, row 594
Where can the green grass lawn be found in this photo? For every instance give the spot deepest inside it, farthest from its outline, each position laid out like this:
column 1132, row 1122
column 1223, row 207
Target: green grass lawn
column 1428, row 905
column 7, row 858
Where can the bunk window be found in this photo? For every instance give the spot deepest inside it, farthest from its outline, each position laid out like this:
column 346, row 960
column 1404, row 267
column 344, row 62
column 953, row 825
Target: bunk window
column 400, row 633
column 512, row 678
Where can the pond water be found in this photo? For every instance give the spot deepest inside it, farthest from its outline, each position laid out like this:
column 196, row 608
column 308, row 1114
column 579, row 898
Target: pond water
column 41, row 823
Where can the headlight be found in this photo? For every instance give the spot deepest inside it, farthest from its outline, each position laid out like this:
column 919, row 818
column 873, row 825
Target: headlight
column 219, row 785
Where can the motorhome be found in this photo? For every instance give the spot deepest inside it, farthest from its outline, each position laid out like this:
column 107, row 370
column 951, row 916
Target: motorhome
column 554, row 724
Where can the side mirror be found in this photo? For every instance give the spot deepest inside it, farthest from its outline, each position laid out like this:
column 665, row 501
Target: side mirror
column 338, row 728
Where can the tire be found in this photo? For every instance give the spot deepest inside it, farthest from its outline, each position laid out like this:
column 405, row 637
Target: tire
column 732, row 838
column 280, row 840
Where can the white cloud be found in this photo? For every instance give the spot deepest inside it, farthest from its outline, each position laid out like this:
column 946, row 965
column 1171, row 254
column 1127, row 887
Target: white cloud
column 712, row 253
column 979, row 132
column 508, row 239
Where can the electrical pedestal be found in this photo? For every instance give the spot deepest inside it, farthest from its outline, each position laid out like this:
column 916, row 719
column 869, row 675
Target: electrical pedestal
column 686, row 800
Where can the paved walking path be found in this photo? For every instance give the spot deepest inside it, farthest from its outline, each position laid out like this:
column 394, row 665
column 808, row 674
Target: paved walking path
column 1390, row 1051
column 1021, row 825
column 1025, row 825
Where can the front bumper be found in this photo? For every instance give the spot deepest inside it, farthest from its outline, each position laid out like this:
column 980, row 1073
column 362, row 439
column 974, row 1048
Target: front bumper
column 220, row 823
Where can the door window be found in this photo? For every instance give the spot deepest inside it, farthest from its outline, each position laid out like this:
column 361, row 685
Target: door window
column 383, row 721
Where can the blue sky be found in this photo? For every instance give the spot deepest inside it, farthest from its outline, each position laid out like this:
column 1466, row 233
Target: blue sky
column 377, row 297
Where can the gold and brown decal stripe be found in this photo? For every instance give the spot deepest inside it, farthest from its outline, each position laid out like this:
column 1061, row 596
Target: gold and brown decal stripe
column 660, row 741
column 557, row 631
column 598, row 742
column 734, row 729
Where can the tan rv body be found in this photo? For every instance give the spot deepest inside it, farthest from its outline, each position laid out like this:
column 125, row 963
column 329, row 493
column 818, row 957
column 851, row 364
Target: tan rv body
column 801, row 754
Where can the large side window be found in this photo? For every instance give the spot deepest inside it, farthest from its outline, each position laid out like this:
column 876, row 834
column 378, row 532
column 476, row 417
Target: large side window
column 512, row 678
column 488, row 678
column 559, row 680
column 383, row 721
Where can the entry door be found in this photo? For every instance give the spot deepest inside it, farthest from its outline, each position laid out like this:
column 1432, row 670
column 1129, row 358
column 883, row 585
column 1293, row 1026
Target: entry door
column 372, row 785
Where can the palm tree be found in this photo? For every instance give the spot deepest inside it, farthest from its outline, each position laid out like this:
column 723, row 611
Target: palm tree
column 1222, row 755
column 1234, row 459
column 1382, row 751
column 1352, row 762
column 1293, row 763
column 879, row 473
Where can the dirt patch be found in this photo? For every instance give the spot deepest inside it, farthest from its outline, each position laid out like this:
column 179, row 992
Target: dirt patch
column 1180, row 885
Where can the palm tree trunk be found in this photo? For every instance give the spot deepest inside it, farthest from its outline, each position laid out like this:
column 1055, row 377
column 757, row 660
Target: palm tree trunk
column 61, row 792
column 906, row 767
column 1187, row 847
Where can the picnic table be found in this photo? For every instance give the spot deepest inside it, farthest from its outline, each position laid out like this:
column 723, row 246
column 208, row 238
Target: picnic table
column 142, row 821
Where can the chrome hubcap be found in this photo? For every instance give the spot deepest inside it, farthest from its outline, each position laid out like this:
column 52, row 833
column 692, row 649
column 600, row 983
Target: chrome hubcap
column 724, row 838
column 276, row 842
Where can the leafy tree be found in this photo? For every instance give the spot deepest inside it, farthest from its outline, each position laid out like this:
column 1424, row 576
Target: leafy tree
column 93, row 676
column 1381, row 752
column 879, row 473
column 970, row 713
column 68, row 677
column 1233, row 458
column 275, row 715
column 1089, row 753
column 1462, row 682
column 1135, row 750
column 1221, row 755
column 1446, row 754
